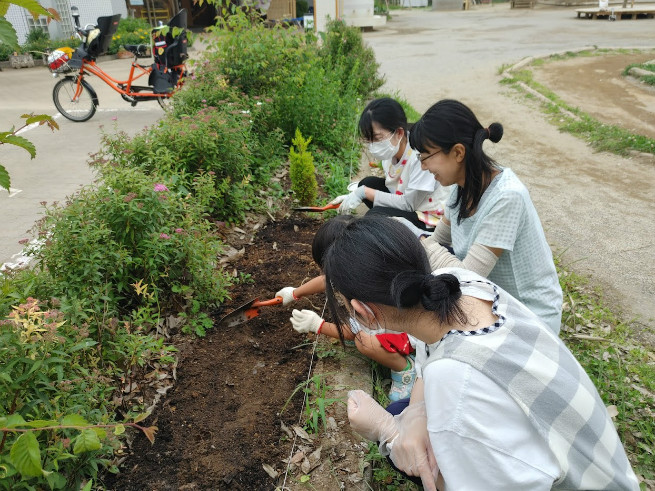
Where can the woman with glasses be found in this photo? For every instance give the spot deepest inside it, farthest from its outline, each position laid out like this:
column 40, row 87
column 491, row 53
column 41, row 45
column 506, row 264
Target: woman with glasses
column 489, row 219
column 501, row 403
column 406, row 190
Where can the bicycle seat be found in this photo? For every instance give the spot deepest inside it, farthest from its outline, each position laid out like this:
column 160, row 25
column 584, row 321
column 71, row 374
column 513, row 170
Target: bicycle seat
column 140, row 50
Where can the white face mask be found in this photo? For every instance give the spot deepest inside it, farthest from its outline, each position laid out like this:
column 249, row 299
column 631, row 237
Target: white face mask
column 384, row 150
column 357, row 325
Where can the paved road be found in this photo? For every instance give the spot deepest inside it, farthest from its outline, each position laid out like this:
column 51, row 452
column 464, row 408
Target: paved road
column 60, row 167
column 597, row 208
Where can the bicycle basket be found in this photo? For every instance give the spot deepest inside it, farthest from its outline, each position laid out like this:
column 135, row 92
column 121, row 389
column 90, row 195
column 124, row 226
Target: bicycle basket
column 58, row 60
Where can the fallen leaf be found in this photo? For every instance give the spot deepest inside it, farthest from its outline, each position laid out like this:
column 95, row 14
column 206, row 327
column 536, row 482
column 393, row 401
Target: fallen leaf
column 270, row 471
column 305, row 466
column 302, row 433
column 297, row 457
column 613, row 411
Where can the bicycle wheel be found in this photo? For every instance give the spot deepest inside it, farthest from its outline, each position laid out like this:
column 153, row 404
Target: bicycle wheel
column 78, row 109
column 166, row 103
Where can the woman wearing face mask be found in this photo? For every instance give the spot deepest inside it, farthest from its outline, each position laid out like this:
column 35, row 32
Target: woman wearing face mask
column 501, row 403
column 406, row 190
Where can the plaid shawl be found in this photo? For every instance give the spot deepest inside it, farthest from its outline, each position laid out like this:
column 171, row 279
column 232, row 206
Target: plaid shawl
column 538, row 371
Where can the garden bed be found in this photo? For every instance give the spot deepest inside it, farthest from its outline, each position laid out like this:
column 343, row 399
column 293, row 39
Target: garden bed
column 220, row 424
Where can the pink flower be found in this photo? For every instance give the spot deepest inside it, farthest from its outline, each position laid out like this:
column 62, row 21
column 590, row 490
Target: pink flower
column 164, row 236
column 179, row 230
column 114, row 118
column 160, row 187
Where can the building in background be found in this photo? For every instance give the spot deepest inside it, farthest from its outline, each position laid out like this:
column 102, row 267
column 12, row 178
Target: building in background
column 90, row 10
column 154, row 11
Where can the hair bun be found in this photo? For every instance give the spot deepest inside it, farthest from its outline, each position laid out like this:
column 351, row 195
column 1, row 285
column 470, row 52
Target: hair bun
column 440, row 287
column 495, row 131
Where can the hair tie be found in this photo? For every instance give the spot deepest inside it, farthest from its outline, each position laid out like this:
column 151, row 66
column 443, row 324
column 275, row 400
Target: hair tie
column 488, row 132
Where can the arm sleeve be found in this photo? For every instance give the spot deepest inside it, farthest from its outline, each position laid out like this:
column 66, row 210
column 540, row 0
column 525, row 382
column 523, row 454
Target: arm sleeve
column 479, row 259
column 406, row 202
column 441, row 234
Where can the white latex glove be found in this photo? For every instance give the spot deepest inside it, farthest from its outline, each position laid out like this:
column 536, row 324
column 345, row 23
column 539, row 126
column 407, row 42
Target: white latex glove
column 287, row 295
column 338, row 199
column 411, row 451
column 352, row 201
column 369, row 419
column 305, row 321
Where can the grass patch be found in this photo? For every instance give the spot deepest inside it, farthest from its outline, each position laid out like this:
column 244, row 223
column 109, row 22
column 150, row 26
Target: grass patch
column 602, row 137
column 622, row 369
column 647, row 79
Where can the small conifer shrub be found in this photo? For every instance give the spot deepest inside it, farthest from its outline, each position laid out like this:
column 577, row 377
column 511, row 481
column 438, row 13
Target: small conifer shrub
column 302, row 171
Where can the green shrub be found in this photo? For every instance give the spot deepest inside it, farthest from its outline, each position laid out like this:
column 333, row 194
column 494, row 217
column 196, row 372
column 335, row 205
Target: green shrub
column 258, row 60
column 302, row 171
column 130, row 31
column 215, row 141
column 5, row 51
column 344, row 51
column 37, row 42
column 131, row 230
column 317, row 103
column 302, row 7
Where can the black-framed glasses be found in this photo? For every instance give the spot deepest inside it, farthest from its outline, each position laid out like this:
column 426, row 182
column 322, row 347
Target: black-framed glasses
column 423, row 159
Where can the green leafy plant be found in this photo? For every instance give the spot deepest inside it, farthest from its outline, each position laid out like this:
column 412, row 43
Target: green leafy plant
column 50, row 373
column 384, row 475
column 344, row 52
column 133, row 229
column 213, row 144
column 130, row 31
column 302, row 171
column 12, row 138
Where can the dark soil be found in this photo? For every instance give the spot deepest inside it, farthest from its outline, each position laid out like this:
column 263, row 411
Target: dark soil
column 221, row 421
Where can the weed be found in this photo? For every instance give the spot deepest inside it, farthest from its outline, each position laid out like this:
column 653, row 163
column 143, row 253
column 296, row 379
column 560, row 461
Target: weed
column 620, row 367
column 316, row 402
column 385, row 476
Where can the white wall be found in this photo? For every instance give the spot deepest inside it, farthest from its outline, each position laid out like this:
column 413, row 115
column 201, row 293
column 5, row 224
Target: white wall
column 90, row 10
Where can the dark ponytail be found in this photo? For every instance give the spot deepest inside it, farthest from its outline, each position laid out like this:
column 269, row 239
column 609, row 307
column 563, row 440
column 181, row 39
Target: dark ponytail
column 438, row 294
column 447, row 123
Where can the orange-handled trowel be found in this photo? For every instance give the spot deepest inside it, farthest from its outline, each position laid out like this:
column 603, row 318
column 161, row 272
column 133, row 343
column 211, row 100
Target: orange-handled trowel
column 246, row 312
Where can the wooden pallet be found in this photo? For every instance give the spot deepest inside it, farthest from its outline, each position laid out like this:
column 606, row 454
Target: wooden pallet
column 616, row 13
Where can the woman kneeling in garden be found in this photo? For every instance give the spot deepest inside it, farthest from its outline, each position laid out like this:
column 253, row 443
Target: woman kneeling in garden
column 501, row 402
column 406, row 190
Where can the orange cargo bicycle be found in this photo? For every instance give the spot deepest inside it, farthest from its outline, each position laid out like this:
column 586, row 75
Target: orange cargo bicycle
column 74, row 97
